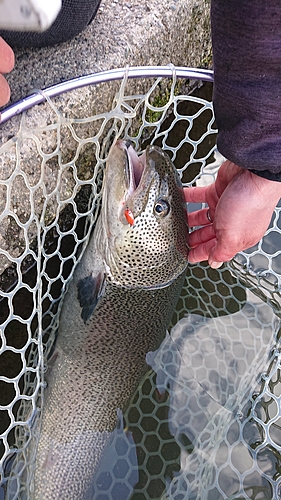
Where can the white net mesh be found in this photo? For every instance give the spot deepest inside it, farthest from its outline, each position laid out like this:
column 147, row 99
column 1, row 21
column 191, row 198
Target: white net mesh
column 206, row 419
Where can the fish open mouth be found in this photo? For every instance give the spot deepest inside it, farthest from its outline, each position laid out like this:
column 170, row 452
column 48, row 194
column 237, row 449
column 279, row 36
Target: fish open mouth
column 134, row 175
column 134, row 166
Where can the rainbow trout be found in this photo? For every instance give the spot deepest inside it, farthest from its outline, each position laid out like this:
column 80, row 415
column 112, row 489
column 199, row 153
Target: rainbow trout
column 118, row 307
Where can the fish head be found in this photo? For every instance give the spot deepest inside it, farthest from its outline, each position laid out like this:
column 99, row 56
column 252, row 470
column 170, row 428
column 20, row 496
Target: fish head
column 144, row 218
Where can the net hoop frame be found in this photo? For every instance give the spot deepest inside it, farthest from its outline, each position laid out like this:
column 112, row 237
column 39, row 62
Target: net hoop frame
column 102, row 77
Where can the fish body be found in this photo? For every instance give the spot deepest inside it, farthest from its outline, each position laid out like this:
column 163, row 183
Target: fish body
column 118, row 307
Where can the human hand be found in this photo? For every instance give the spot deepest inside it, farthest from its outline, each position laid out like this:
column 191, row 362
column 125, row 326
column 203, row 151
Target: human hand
column 240, row 208
column 7, row 61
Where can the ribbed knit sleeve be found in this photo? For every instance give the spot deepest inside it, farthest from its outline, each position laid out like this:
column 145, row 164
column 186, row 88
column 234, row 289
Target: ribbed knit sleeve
column 246, row 37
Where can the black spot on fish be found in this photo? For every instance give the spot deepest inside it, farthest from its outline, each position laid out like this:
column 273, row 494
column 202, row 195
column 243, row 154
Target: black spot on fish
column 89, row 292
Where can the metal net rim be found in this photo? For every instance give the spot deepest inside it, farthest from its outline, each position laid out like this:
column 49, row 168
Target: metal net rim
column 104, row 76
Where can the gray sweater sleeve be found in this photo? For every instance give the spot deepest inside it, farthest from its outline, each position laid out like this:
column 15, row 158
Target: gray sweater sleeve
column 246, row 36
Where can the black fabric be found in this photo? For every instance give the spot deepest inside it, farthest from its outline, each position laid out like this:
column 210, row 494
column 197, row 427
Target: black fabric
column 246, row 37
column 266, row 174
column 73, row 18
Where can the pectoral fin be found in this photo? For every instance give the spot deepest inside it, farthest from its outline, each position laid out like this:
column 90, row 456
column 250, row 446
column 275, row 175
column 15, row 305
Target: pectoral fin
column 90, row 290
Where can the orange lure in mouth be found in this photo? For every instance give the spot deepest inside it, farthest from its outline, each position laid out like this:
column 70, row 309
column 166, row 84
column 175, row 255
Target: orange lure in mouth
column 129, row 216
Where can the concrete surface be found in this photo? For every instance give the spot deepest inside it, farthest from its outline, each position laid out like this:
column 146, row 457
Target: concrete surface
column 150, row 32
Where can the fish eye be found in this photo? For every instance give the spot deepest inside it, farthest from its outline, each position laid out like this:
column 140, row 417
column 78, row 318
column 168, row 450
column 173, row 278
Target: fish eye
column 161, row 207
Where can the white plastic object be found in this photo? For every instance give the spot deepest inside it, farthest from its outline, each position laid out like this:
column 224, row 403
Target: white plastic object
column 28, row 15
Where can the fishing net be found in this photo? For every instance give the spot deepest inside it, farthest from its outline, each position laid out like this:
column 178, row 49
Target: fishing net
column 205, row 420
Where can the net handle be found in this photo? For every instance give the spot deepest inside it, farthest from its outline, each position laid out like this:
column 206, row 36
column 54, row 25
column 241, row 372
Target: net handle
column 104, row 76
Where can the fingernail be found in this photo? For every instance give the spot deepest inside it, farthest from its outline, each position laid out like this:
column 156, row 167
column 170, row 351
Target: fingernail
column 215, row 265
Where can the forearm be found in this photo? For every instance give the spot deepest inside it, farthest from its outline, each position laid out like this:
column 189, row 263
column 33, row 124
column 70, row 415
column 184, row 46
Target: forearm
column 247, row 86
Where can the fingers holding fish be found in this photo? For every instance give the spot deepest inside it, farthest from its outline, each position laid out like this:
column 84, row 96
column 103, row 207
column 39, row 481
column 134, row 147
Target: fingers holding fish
column 202, row 251
column 201, row 242
column 201, row 236
column 196, row 194
column 201, row 217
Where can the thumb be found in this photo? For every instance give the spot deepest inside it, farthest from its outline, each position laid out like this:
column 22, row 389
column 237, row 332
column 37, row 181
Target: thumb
column 218, row 255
